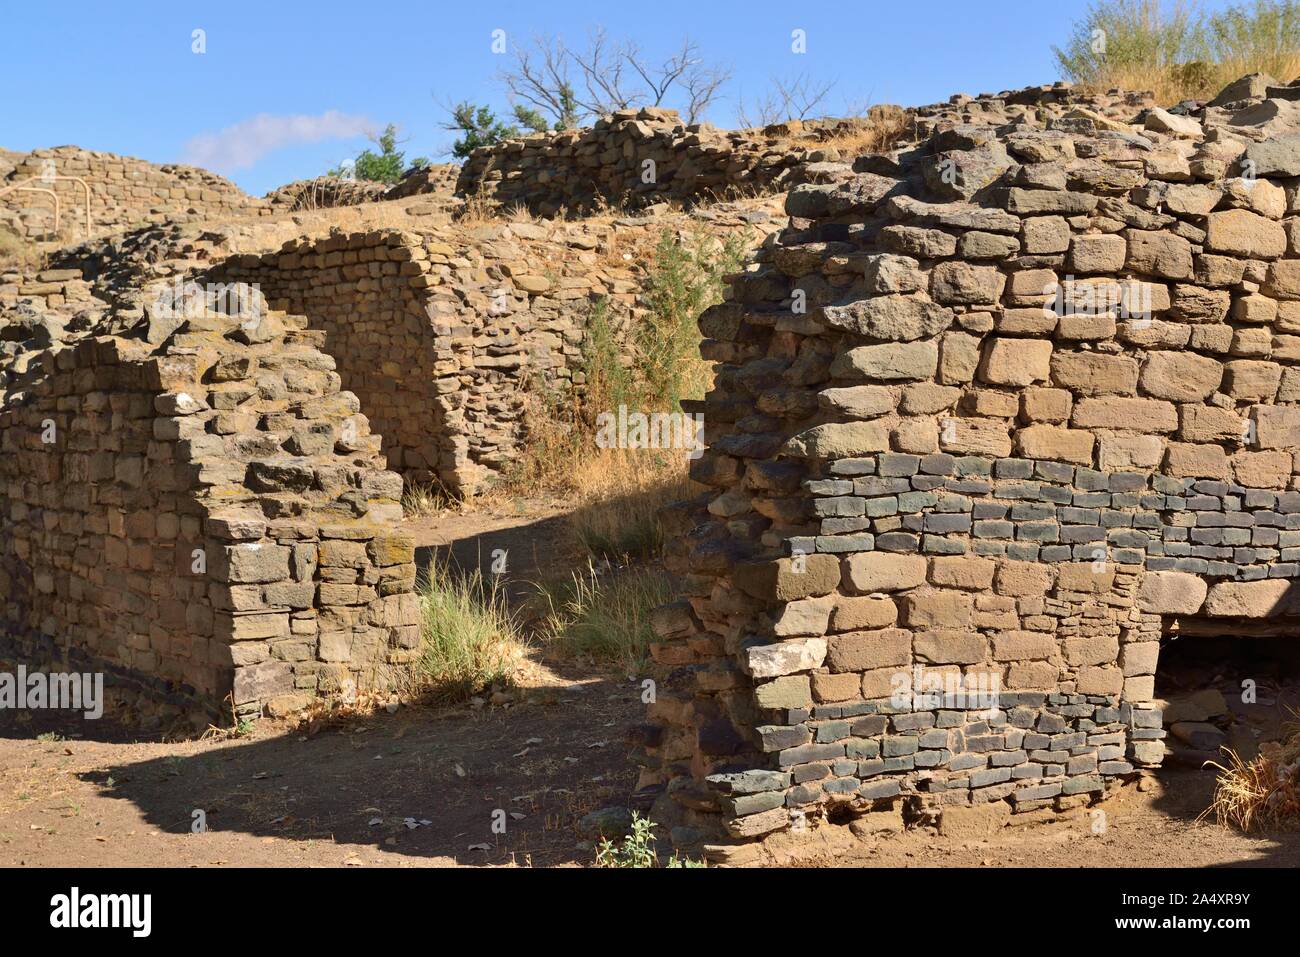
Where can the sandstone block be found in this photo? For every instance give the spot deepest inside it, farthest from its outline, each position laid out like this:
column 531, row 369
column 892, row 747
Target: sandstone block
column 882, row 572
column 950, row 646
column 870, row 650
column 785, row 657
column 788, row 691
column 1095, row 373
column 1257, row 599
column 889, row 362
column 788, row 579
column 807, row 616
column 1056, row 443
column 1172, row 593
column 1180, row 376
column 1240, row 233
column 1016, row 361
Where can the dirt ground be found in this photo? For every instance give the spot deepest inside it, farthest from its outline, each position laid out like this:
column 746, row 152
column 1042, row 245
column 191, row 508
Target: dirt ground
column 419, row 788
column 424, row 787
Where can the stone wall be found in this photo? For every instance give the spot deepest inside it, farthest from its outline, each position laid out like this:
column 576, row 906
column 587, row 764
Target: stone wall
column 124, row 192
column 636, row 158
column 444, row 337
column 631, row 158
column 199, row 511
column 989, row 420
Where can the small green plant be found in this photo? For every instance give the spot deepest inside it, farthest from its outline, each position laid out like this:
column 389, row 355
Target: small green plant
column 480, row 127
column 687, row 276
column 637, row 849
column 608, row 377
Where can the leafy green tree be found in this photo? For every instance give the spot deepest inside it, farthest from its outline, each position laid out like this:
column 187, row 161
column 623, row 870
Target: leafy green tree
column 480, row 127
column 383, row 167
column 531, row 119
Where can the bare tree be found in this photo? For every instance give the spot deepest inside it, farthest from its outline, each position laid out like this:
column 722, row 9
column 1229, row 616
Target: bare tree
column 611, row 75
column 801, row 95
column 541, row 78
column 786, row 99
column 761, row 111
column 702, row 85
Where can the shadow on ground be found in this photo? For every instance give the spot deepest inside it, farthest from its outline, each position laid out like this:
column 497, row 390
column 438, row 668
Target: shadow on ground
column 537, row 767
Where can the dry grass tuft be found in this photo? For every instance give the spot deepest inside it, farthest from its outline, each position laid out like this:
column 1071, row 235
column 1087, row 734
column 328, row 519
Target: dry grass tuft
column 605, row 616
column 424, row 501
column 619, row 494
column 20, row 254
column 470, row 640
column 1261, row 793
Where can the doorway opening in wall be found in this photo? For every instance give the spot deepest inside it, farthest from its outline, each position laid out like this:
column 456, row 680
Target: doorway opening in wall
column 1224, row 687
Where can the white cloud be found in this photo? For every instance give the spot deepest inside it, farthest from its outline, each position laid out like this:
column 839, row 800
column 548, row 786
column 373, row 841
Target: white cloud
column 242, row 145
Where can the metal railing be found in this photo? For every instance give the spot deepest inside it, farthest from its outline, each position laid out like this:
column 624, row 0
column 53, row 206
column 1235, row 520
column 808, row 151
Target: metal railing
column 22, row 187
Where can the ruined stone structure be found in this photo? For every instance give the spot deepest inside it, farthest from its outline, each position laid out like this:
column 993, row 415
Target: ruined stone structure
column 445, row 336
column 198, row 510
column 638, row 157
column 632, row 158
column 124, row 192
column 992, row 420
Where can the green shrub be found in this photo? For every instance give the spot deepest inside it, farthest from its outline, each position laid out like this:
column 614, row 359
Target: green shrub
column 386, row 166
column 685, row 278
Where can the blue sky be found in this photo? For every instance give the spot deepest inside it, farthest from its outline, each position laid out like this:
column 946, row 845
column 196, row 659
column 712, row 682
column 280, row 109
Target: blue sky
column 285, row 90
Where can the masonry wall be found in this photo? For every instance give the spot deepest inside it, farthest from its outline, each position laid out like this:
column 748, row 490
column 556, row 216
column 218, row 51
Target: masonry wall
column 124, row 192
column 992, row 416
column 445, row 337
column 631, row 158
column 208, row 522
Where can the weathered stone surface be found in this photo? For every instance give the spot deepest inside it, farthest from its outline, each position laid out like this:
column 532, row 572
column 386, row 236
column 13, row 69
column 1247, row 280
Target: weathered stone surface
column 1180, row 376
column 1241, row 233
column 878, row 572
column 889, row 363
column 1172, row 593
column 1016, row 361
column 891, row 318
column 788, row 579
column 785, row 657
column 1260, row 599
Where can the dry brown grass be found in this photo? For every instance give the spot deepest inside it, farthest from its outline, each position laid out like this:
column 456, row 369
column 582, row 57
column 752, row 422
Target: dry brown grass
column 1181, row 49
column 21, row 254
column 1263, row 792
column 619, row 493
column 882, row 129
column 885, row 128
column 1192, row 81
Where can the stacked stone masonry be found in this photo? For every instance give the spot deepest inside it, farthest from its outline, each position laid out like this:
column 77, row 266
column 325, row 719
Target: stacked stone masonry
column 200, row 512
column 631, row 158
column 639, row 157
column 124, row 192
column 444, row 337
column 992, row 418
